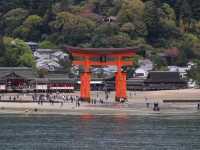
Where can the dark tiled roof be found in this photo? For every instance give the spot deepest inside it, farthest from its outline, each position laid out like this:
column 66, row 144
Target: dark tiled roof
column 23, row 72
column 28, row 73
column 56, row 75
column 134, row 81
column 56, row 78
column 164, row 77
column 62, row 80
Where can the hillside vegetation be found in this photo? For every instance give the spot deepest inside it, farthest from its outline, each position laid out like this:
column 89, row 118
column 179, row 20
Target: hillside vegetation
column 157, row 26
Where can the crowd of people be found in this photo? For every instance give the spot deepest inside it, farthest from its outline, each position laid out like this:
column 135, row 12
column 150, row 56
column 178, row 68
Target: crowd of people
column 69, row 98
column 52, row 98
column 56, row 98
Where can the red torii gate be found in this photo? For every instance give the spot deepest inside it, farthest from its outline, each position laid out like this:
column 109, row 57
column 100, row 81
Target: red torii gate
column 86, row 58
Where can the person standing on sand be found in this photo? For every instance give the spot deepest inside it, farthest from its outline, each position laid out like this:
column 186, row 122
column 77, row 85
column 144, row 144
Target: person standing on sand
column 79, row 103
column 95, row 101
column 14, row 99
column 71, row 99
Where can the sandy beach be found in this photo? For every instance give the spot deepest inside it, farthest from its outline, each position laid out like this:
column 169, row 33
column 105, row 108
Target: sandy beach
column 136, row 105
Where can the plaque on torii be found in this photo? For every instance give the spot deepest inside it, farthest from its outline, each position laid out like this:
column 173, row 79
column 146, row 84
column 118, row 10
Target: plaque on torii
column 91, row 57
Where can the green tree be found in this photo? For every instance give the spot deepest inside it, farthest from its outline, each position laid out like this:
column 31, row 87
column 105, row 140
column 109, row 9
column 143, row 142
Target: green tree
column 26, row 60
column 195, row 5
column 167, row 22
column 184, row 14
column 103, row 34
column 107, row 29
column 188, row 45
column 13, row 19
column 120, row 40
column 72, row 29
column 159, row 63
column 2, row 48
column 17, row 53
column 47, row 44
column 66, row 64
column 194, row 72
column 132, row 11
column 151, row 18
column 161, row 23
column 195, row 28
column 30, row 29
column 182, row 59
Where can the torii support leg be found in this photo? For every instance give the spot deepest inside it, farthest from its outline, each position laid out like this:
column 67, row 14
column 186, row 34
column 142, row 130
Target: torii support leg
column 120, row 85
column 85, row 86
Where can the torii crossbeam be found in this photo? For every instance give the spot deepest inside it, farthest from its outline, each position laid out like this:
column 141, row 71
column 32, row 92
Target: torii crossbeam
column 88, row 57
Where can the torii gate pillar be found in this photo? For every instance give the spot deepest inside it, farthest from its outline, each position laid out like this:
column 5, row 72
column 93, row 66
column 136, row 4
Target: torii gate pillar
column 120, row 81
column 120, row 86
column 85, row 79
column 85, row 86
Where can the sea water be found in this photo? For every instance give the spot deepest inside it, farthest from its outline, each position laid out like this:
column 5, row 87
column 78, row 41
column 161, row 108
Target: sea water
column 88, row 132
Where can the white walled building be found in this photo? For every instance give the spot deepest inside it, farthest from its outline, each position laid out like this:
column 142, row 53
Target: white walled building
column 49, row 59
column 140, row 73
column 181, row 70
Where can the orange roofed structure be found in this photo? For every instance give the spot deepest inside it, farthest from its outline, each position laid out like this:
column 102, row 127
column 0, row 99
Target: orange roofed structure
column 98, row 57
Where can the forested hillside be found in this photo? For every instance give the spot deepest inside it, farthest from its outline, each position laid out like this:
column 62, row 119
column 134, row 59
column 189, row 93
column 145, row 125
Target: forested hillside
column 152, row 25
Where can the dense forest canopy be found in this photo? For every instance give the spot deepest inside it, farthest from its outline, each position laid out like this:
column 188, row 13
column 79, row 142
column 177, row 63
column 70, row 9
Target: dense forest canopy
column 156, row 26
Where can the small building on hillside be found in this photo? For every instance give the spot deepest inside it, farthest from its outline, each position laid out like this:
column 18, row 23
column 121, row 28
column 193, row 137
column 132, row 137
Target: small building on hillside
column 49, row 59
column 146, row 64
column 181, row 70
column 43, row 53
column 140, row 73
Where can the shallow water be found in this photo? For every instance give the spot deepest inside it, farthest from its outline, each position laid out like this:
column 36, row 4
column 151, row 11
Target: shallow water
column 87, row 132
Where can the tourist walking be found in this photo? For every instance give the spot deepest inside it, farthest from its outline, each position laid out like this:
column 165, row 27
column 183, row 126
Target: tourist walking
column 198, row 106
column 156, row 107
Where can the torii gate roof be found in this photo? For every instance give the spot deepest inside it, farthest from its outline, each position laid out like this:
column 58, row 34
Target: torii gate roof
column 101, row 51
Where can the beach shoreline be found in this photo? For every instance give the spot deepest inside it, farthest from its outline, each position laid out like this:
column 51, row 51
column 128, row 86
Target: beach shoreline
column 137, row 105
column 32, row 109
